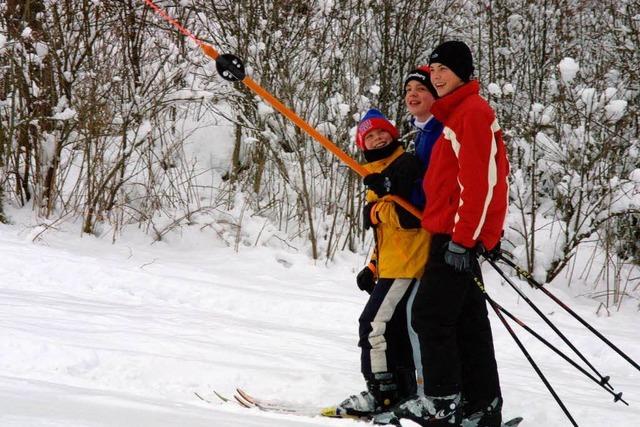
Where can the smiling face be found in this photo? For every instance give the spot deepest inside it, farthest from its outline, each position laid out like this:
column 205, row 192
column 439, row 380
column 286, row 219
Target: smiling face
column 418, row 100
column 443, row 79
column 376, row 139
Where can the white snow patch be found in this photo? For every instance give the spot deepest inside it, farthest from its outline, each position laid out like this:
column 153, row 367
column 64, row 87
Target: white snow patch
column 508, row 89
column 548, row 145
column 187, row 95
column 327, row 128
column 48, row 148
column 41, row 50
column 552, row 84
column 568, row 69
column 610, row 92
column 265, row 109
column 66, row 114
column 326, row 5
column 615, row 109
column 35, row 89
column 344, row 109
column 541, row 114
column 588, row 98
column 494, row 90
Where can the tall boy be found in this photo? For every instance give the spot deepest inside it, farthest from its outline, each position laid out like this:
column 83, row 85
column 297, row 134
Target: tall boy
column 466, row 203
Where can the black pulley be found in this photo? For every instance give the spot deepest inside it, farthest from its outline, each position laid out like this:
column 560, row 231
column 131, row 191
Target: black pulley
column 230, row 67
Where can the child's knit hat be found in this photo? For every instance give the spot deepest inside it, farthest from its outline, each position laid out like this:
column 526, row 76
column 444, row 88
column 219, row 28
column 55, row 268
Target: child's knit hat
column 374, row 119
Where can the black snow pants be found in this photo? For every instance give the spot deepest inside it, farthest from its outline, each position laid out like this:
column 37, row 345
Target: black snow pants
column 384, row 328
column 451, row 321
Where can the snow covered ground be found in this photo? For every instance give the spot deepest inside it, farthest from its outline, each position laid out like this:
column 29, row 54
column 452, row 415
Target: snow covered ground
column 101, row 334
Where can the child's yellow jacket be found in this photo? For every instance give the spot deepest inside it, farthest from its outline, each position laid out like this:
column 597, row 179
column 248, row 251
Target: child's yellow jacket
column 400, row 252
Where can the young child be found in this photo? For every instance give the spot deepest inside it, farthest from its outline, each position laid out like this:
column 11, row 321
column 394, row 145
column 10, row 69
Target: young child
column 398, row 259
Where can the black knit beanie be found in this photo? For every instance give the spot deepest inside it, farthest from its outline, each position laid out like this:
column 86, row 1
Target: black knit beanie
column 421, row 74
column 456, row 55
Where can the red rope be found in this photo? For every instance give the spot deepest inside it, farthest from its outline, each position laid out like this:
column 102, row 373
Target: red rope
column 173, row 21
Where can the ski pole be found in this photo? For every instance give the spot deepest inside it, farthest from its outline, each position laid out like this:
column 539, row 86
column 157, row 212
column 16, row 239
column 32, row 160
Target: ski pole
column 539, row 286
column 603, row 379
column 231, row 68
column 616, row 396
column 532, row 362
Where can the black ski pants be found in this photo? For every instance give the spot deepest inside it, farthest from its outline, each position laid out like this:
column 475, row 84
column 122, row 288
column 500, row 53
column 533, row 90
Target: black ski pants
column 384, row 329
column 455, row 342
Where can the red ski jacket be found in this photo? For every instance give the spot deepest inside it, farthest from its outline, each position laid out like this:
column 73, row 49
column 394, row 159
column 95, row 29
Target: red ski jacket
column 466, row 183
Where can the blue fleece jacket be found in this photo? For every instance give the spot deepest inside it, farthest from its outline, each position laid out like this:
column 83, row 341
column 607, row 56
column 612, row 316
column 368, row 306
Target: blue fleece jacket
column 424, row 142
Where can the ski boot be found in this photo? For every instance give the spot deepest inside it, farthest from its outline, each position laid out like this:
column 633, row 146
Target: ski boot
column 382, row 393
column 432, row 411
column 488, row 415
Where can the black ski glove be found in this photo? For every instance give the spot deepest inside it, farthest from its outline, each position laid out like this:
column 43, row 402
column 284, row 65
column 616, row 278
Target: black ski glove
column 458, row 257
column 493, row 254
column 366, row 215
column 366, row 280
column 379, row 183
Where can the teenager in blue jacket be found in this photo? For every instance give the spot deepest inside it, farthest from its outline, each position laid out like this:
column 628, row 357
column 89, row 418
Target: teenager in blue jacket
column 419, row 96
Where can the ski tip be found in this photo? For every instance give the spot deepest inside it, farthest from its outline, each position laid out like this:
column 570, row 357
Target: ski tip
column 199, row 396
column 221, row 397
column 243, row 402
column 335, row 412
column 329, row 411
column 246, row 396
column 216, row 394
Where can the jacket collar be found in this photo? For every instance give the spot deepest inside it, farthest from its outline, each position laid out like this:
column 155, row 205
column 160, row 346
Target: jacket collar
column 443, row 107
column 381, row 164
column 432, row 123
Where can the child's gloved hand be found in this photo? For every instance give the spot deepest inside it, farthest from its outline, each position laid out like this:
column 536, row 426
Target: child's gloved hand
column 366, row 280
column 379, row 183
column 366, row 216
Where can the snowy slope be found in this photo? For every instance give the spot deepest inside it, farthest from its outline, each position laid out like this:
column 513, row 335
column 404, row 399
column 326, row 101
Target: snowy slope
column 101, row 334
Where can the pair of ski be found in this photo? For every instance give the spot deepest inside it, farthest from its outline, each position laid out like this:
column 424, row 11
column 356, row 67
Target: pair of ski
column 245, row 400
